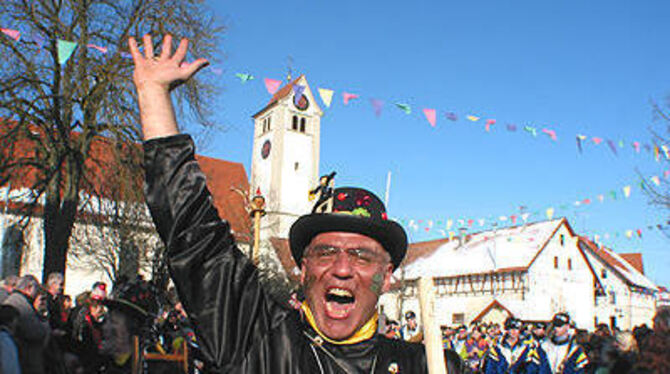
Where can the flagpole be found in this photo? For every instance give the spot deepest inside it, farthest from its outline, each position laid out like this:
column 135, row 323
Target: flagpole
column 388, row 190
column 3, row 219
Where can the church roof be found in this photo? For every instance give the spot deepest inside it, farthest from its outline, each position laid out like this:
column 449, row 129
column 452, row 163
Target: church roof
column 221, row 177
column 503, row 250
column 628, row 272
column 286, row 90
column 635, row 259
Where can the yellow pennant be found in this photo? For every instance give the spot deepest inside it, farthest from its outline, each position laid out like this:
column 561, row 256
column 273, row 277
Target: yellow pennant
column 326, row 96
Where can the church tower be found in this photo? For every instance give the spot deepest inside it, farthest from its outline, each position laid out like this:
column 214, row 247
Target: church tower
column 285, row 161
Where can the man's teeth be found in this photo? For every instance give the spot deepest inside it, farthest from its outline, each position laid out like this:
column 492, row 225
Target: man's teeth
column 340, row 292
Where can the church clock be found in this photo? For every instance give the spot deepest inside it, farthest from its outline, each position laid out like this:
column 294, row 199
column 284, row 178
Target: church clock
column 302, row 103
column 265, row 150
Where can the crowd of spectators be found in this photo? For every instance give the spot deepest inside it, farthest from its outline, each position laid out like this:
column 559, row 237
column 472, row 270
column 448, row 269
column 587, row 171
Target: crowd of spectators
column 556, row 346
column 43, row 332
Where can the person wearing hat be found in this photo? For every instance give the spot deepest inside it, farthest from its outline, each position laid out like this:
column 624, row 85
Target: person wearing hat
column 560, row 353
column 510, row 354
column 410, row 329
column 346, row 255
column 87, row 329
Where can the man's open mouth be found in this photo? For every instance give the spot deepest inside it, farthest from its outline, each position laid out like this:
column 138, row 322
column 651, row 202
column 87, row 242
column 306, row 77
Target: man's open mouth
column 339, row 302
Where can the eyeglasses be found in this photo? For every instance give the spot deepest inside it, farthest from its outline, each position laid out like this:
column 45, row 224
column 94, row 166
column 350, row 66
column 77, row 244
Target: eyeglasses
column 324, row 255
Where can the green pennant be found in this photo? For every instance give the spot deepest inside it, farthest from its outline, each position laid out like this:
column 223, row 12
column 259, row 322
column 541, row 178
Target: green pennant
column 404, row 107
column 65, row 49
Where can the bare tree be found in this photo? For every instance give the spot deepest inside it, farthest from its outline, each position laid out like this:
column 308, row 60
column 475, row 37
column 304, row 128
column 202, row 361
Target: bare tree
column 659, row 195
column 52, row 113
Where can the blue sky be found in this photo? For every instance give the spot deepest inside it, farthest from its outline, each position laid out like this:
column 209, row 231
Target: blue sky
column 572, row 66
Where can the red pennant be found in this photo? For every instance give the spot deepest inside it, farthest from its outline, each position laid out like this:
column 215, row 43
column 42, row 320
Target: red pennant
column 272, row 85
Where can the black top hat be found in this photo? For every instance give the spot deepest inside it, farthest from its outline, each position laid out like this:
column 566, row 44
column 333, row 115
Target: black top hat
column 560, row 319
column 513, row 323
column 353, row 210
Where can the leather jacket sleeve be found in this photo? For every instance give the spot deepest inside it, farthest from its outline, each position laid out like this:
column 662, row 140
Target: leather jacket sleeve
column 217, row 284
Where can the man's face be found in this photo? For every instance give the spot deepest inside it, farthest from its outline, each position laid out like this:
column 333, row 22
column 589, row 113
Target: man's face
column 514, row 333
column 561, row 331
column 343, row 275
column 56, row 287
column 411, row 323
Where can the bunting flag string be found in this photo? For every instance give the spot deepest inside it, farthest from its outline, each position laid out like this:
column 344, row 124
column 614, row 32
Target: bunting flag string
column 549, row 212
column 65, row 50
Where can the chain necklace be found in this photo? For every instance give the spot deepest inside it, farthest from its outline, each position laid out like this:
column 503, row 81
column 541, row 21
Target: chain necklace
column 317, row 341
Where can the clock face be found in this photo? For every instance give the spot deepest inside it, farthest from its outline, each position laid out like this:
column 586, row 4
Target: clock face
column 265, row 150
column 301, row 104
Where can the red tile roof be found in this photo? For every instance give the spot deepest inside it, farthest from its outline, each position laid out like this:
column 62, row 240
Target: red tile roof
column 635, row 259
column 101, row 168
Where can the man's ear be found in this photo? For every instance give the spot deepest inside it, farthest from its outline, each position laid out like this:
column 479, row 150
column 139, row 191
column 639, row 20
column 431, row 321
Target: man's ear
column 387, row 278
column 302, row 272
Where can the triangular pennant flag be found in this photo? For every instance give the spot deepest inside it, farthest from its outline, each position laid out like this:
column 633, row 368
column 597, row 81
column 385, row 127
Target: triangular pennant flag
column 346, row 96
column 596, row 140
column 601, row 198
column 579, row 139
column 656, row 180
column 524, row 216
column 666, row 151
column 404, row 107
column 610, row 143
column 531, row 130
column 621, row 144
column 596, row 238
column 272, row 85
column 481, row 222
column 65, row 49
column 502, row 218
column 217, row 71
column 666, row 174
column 97, row 48
column 451, row 116
column 472, row 118
column 586, row 201
column 639, row 233
column 551, row 133
column 636, row 145
column 326, row 96
column 629, row 234
column 550, row 213
column 245, row 77
column 513, row 217
column 470, row 222
column 613, row 194
column 511, row 127
column 450, row 222
column 430, row 116
column 489, row 123
column 14, row 34
column 297, row 93
column 657, row 154
column 451, row 235
column 626, row 191
column 377, row 106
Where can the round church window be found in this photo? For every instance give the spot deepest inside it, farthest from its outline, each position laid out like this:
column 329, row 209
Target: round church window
column 265, row 150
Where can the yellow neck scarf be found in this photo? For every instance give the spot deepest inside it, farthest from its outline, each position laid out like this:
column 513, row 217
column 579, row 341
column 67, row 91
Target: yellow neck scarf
column 366, row 332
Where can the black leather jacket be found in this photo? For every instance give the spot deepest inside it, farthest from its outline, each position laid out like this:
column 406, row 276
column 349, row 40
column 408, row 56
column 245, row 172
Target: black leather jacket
column 240, row 328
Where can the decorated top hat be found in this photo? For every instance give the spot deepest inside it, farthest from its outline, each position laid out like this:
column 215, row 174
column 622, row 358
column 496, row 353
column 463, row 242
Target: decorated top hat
column 354, row 210
column 560, row 319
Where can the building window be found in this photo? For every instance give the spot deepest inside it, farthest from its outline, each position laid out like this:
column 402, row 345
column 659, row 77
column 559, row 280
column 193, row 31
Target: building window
column 562, row 238
column 569, row 264
column 295, row 123
column 458, row 318
column 302, row 125
column 555, row 262
column 603, row 273
column 295, row 166
column 13, row 244
column 612, row 297
column 269, row 122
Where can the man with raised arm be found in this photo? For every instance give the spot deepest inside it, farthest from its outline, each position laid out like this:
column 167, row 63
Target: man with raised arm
column 346, row 254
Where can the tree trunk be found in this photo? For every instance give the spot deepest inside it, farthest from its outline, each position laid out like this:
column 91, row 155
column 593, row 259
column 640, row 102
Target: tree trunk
column 59, row 217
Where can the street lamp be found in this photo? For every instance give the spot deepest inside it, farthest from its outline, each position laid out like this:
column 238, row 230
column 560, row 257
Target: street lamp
column 257, row 211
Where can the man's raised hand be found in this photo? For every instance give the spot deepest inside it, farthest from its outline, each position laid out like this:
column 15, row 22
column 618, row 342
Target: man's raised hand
column 166, row 70
column 154, row 77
